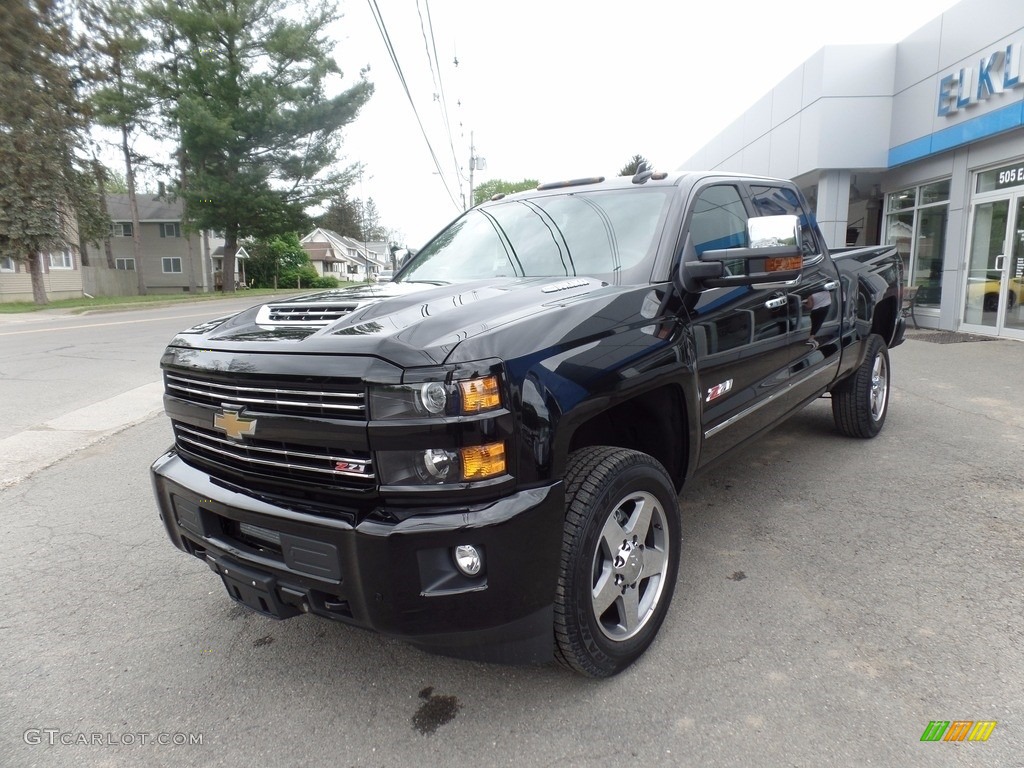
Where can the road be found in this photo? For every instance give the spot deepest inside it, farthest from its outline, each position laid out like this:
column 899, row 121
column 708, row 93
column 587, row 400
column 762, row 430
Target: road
column 67, row 380
column 834, row 597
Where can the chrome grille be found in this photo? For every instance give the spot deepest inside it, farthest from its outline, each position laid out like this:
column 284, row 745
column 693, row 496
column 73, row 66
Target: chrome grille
column 273, row 459
column 337, row 400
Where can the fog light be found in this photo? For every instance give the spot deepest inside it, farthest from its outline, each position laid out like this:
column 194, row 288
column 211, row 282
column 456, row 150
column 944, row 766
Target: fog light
column 468, row 559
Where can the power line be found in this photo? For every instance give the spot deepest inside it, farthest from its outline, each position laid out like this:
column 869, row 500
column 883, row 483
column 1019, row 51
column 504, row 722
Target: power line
column 379, row 19
column 440, row 83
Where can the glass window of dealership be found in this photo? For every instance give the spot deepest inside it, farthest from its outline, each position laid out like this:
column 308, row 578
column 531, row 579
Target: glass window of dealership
column 918, row 144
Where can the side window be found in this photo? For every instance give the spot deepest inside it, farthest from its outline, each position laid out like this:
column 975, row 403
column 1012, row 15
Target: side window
column 719, row 220
column 781, row 201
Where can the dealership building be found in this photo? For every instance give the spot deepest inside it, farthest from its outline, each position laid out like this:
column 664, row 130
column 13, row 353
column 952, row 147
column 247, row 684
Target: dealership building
column 918, row 143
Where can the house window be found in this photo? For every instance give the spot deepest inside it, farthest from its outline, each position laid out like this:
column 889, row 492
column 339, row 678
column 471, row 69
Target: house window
column 172, row 264
column 121, row 229
column 915, row 223
column 353, row 269
column 170, row 229
column 128, row 264
column 61, row 260
column 7, row 264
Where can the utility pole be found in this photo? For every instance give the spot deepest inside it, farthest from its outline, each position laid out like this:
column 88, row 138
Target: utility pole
column 475, row 163
column 472, row 164
column 362, row 226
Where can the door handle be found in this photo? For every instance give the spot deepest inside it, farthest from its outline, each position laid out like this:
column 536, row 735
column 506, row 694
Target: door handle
column 1000, row 262
column 781, row 301
column 830, row 286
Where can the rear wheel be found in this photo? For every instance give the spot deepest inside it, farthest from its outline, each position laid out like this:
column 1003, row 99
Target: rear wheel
column 861, row 402
column 620, row 557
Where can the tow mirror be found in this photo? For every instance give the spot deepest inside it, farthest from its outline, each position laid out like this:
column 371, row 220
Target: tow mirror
column 773, row 256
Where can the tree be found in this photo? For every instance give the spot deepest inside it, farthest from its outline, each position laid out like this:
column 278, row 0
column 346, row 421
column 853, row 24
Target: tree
column 164, row 81
column 114, row 182
column 102, row 174
column 92, row 219
column 119, row 100
column 372, row 228
column 343, row 216
column 630, row 168
column 44, row 188
column 489, row 189
column 281, row 262
column 258, row 131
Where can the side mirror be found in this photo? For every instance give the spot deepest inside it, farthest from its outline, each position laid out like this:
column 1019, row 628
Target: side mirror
column 774, row 256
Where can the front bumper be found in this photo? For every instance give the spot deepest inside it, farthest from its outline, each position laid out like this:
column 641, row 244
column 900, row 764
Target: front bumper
column 397, row 579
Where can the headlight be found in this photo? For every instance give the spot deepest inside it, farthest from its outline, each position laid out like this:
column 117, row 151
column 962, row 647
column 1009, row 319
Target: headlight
column 435, row 398
column 435, row 466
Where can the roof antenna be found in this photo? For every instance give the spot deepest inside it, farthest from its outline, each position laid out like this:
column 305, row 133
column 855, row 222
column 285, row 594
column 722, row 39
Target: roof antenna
column 643, row 173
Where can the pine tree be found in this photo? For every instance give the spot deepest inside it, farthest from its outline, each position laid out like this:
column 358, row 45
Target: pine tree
column 256, row 127
column 343, row 216
column 119, row 99
column 42, row 181
column 633, row 165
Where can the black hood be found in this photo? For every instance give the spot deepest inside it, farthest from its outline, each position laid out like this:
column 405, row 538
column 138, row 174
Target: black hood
column 414, row 324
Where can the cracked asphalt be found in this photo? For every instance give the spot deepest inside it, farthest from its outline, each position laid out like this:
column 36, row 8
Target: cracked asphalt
column 834, row 597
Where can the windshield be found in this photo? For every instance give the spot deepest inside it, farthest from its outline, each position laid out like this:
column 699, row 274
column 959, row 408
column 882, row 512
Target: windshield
column 601, row 234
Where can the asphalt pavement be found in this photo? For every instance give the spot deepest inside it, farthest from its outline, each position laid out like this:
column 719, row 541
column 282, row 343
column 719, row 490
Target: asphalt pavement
column 835, row 596
column 68, row 380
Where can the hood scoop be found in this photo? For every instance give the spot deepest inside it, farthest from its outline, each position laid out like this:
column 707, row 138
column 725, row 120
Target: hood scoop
column 302, row 315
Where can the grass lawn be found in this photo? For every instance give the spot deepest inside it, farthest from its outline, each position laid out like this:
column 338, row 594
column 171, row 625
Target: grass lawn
column 128, row 302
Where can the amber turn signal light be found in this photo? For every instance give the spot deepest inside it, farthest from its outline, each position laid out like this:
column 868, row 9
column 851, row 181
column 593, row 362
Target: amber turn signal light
column 785, row 264
column 480, row 394
column 482, row 461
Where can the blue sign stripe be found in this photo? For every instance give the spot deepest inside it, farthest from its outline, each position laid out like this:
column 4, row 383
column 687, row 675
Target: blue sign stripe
column 981, row 127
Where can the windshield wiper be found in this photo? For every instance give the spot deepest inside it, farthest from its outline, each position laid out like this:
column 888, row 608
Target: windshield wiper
column 428, row 282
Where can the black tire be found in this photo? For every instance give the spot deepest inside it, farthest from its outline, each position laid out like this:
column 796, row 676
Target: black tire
column 991, row 302
column 620, row 557
column 861, row 402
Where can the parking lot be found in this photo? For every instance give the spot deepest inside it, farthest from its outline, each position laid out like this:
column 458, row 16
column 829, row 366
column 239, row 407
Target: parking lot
column 834, row 597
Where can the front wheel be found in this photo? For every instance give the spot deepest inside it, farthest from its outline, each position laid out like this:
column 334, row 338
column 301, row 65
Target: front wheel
column 620, row 557
column 861, row 402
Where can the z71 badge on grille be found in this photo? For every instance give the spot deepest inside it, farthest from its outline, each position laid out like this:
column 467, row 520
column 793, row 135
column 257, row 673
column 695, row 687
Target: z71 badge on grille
column 234, row 425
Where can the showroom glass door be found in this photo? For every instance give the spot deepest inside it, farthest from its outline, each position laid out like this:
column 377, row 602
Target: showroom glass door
column 984, row 298
column 1013, row 276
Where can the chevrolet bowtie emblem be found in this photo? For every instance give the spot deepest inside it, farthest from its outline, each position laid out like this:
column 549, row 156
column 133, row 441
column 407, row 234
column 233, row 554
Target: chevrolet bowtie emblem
column 234, row 425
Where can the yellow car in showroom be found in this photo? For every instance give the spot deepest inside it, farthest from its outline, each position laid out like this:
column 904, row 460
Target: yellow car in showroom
column 986, row 291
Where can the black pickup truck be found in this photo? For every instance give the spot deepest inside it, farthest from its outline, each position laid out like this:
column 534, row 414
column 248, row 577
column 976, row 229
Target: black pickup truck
column 484, row 456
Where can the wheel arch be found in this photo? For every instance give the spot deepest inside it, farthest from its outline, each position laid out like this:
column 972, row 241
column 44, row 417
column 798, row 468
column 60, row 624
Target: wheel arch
column 883, row 322
column 655, row 422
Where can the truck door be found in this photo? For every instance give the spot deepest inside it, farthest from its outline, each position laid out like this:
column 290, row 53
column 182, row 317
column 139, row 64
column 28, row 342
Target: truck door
column 741, row 335
column 815, row 301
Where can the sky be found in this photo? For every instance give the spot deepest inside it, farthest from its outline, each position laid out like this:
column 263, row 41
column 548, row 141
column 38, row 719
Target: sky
column 558, row 89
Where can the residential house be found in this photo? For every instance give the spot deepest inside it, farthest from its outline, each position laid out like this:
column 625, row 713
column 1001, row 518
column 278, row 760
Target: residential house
column 218, row 266
column 166, row 264
column 62, row 276
column 343, row 257
column 61, row 267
